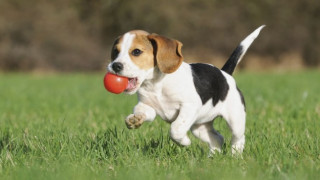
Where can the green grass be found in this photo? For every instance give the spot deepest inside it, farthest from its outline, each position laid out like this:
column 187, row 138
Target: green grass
column 68, row 127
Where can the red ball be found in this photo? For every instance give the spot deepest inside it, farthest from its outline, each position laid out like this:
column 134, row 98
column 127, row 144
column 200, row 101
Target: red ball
column 115, row 84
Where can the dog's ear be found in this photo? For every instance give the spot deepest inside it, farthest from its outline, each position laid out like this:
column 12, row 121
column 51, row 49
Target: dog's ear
column 167, row 53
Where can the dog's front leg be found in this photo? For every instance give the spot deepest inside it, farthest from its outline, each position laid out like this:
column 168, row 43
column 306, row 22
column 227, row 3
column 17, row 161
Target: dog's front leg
column 182, row 124
column 141, row 113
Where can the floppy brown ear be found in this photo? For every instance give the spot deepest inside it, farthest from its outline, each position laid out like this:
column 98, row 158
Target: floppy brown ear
column 167, row 53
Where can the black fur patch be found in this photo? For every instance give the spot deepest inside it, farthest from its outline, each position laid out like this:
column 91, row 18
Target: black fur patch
column 232, row 62
column 209, row 82
column 242, row 98
column 114, row 50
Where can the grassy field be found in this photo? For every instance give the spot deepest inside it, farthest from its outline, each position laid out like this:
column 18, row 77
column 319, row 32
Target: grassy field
column 68, row 127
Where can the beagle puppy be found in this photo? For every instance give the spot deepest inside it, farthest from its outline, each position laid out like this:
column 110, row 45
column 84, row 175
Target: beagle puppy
column 188, row 96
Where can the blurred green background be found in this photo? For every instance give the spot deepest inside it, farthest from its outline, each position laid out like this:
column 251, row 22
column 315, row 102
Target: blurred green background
column 76, row 35
column 58, row 125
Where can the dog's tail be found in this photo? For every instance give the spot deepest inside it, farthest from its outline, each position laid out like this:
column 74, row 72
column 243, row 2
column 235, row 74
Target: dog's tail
column 238, row 53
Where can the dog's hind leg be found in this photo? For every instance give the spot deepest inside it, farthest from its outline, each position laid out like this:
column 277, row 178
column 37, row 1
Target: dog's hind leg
column 236, row 122
column 208, row 134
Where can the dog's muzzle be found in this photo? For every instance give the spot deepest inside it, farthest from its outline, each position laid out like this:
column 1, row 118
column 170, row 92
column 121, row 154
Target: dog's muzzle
column 117, row 67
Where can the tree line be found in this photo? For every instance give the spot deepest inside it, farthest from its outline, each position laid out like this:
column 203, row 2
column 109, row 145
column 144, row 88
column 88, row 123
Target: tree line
column 68, row 35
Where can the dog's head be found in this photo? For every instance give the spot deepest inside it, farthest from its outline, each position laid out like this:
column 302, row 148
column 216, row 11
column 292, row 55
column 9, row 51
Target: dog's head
column 138, row 54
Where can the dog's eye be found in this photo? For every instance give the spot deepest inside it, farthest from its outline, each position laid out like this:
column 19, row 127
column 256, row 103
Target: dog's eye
column 136, row 52
column 114, row 53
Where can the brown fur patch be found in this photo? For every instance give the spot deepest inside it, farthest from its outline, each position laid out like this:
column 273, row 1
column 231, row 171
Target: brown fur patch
column 165, row 53
column 168, row 53
column 145, row 60
column 139, row 32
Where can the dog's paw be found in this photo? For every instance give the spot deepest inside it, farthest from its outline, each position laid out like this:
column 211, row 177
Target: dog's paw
column 134, row 121
column 185, row 141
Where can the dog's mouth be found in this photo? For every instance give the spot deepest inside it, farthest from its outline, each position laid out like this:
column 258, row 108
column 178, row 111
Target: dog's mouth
column 132, row 84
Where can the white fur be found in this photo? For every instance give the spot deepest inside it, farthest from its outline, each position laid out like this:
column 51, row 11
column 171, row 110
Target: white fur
column 174, row 98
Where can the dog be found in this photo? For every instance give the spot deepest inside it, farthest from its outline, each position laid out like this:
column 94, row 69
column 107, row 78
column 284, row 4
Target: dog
column 188, row 96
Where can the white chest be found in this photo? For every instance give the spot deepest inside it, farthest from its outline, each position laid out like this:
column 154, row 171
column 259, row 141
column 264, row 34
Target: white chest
column 169, row 93
column 165, row 105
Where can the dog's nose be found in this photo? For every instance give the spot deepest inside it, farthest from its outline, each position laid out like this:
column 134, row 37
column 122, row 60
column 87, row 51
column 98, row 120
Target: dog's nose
column 117, row 67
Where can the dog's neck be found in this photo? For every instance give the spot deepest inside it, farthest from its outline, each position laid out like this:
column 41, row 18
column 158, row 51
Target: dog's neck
column 155, row 76
column 153, row 80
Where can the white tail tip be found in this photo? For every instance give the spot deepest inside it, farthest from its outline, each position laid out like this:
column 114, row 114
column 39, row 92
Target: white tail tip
column 249, row 39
